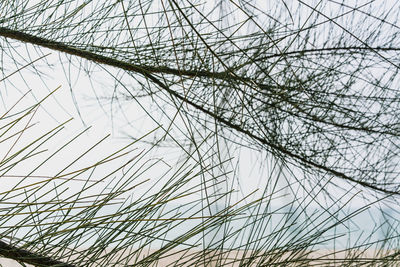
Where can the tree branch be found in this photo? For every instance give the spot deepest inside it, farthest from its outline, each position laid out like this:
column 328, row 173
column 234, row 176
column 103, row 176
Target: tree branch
column 62, row 47
column 28, row 257
column 147, row 72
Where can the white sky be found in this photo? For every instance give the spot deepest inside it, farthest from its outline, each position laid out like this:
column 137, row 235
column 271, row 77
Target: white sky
column 105, row 118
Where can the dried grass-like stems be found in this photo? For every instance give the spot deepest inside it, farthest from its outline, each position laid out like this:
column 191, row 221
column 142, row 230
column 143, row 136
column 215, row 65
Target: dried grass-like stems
column 310, row 87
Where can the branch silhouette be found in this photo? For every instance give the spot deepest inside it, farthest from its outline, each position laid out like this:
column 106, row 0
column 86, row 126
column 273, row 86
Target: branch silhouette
column 147, row 71
column 28, row 257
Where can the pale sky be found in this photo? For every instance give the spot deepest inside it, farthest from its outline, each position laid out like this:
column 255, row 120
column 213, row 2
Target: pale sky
column 92, row 95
